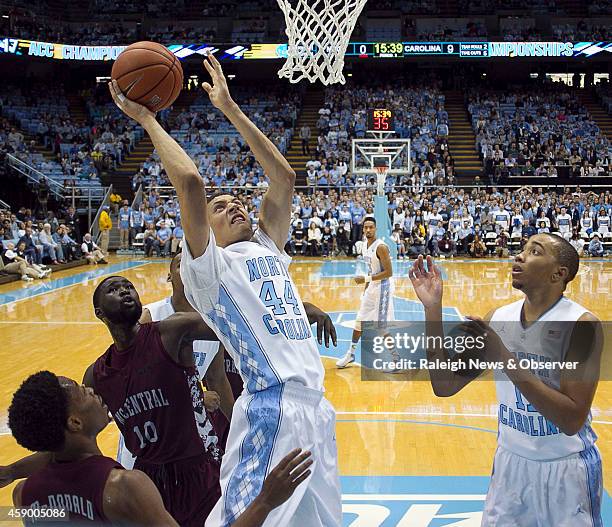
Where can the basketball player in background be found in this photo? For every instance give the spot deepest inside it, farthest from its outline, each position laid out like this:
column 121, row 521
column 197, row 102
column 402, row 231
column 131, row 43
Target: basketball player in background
column 61, row 420
column 547, row 469
column 377, row 299
column 239, row 282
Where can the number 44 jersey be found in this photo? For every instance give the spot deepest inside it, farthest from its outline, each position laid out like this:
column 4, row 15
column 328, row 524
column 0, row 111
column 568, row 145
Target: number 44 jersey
column 245, row 294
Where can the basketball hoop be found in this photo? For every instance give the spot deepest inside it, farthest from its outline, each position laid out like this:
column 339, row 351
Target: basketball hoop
column 319, row 33
column 381, row 178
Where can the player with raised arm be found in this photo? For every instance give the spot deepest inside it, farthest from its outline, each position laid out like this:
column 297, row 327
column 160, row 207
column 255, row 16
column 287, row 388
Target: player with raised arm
column 239, row 282
column 60, row 420
column 377, row 299
column 547, row 469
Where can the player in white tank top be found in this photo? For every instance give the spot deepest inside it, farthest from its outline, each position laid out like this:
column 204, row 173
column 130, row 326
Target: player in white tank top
column 547, row 469
column 377, row 299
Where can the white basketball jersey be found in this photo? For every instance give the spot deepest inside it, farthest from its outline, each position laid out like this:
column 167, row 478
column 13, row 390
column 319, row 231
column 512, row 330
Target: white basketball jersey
column 204, row 351
column 246, row 295
column 373, row 262
column 522, row 429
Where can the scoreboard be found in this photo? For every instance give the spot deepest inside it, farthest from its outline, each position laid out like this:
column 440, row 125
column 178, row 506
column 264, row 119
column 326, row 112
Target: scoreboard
column 380, row 120
column 406, row 49
column 354, row 51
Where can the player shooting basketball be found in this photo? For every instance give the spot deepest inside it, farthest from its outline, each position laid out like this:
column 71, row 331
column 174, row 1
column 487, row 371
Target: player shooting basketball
column 239, row 282
column 547, row 469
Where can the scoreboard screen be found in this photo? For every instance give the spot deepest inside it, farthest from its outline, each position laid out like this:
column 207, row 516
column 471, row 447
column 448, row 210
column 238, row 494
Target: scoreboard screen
column 380, row 120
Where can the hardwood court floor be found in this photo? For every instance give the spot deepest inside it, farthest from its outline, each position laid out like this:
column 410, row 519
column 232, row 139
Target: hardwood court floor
column 403, row 452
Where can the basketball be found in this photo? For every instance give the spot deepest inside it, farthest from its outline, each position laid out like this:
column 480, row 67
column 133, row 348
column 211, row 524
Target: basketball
column 149, row 74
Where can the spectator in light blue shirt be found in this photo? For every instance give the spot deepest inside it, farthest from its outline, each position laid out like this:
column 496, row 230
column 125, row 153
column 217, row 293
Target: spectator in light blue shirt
column 177, row 238
column 164, row 239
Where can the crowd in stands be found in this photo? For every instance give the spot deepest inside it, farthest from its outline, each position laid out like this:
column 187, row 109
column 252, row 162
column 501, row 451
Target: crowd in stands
column 30, row 243
column 529, row 132
column 82, row 149
column 464, row 30
column 441, row 221
column 222, row 156
column 590, row 31
column 419, row 115
column 115, row 22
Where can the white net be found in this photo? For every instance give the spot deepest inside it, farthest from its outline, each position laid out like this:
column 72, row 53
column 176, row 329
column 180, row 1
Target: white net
column 319, row 33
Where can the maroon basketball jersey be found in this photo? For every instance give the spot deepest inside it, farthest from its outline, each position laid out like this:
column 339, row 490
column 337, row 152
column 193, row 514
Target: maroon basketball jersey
column 77, row 487
column 156, row 403
column 233, row 376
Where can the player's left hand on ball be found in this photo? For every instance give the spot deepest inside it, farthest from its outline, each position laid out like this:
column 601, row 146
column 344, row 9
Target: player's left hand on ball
column 212, row 401
column 285, row 477
column 359, row 279
column 130, row 108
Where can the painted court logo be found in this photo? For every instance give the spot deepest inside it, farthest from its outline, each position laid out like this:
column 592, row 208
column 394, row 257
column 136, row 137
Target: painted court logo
column 413, row 501
column 434, row 510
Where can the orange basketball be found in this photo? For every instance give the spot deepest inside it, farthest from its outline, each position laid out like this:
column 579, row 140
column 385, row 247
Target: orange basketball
column 149, row 74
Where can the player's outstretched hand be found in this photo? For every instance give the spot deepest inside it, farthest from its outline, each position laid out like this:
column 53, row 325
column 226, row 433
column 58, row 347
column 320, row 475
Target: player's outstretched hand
column 132, row 109
column 285, row 477
column 427, row 283
column 218, row 92
column 212, row 401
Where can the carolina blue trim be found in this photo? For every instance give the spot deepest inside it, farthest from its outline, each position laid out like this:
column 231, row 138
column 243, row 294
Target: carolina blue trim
column 592, row 463
column 264, row 415
column 41, row 287
column 383, row 302
column 262, row 370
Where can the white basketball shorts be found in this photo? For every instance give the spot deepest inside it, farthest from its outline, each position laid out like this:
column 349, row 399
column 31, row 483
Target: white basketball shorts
column 565, row 492
column 265, row 427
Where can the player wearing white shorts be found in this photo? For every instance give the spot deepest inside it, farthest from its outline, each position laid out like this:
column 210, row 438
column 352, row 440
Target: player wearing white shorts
column 239, row 282
column 547, row 469
column 377, row 299
column 219, row 392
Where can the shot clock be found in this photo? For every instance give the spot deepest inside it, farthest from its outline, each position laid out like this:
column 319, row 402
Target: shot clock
column 380, row 120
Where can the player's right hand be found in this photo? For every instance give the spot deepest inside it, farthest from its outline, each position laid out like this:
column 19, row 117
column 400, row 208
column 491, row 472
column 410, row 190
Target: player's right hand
column 132, row 109
column 427, row 283
column 285, row 477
